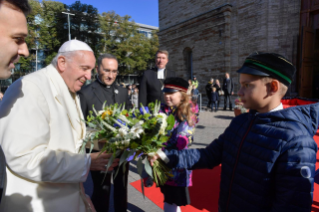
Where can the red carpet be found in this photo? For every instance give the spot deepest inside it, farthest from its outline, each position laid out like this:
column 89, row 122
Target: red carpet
column 204, row 194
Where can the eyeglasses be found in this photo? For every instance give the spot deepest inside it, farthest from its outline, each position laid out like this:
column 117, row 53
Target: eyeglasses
column 111, row 72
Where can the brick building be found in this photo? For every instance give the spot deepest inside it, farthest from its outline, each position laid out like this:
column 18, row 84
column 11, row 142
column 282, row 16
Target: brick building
column 207, row 38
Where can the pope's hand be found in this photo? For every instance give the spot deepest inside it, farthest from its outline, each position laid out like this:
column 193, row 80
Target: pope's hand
column 100, row 160
column 152, row 159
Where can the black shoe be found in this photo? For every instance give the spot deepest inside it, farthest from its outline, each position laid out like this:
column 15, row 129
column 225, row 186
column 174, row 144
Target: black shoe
column 224, row 108
column 230, row 109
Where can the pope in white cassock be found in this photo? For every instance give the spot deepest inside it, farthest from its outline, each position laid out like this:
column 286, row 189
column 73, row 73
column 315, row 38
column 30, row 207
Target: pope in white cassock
column 41, row 133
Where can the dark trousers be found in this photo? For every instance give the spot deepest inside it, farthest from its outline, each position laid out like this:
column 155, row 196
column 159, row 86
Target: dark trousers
column 227, row 99
column 215, row 104
column 101, row 191
column 209, row 100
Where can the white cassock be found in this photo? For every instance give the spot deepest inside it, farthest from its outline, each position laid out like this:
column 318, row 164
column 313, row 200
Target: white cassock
column 41, row 134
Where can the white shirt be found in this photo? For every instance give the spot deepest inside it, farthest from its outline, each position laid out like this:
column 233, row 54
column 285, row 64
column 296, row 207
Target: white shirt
column 160, row 73
column 279, row 107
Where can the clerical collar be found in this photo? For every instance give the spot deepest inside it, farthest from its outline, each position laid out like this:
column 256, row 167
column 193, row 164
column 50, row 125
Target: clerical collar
column 102, row 83
column 160, row 73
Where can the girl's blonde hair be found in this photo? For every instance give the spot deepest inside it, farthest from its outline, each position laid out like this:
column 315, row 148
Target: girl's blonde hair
column 183, row 111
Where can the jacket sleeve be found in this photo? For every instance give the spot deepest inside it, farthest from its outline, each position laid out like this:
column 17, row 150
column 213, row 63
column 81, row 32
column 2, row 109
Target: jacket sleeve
column 142, row 96
column 294, row 175
column 197, row 158
column 25, row 138
column 128, row 103
column 231, row 86
column 84, row 105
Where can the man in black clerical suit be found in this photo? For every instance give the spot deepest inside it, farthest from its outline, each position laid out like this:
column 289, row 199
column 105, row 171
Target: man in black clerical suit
column 228, row 87
column 13, row 31
column 101, row 90
column 151, row 84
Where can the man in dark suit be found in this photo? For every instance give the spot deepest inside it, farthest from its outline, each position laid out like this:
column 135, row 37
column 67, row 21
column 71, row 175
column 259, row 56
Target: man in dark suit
column 151, row 84
column 101, row 90
column 13, row 31
column 228, row 87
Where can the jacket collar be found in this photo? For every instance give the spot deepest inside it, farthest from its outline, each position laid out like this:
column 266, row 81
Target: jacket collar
column 64, row 98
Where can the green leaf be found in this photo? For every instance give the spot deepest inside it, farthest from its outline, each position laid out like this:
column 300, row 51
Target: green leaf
column 140, row 166
column 170, row 122
column 148, row 168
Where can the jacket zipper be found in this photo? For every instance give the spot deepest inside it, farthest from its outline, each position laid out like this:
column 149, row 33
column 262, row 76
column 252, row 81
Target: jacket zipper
column 232, row 178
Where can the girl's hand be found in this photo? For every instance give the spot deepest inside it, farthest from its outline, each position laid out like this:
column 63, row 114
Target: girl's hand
column 153, row 159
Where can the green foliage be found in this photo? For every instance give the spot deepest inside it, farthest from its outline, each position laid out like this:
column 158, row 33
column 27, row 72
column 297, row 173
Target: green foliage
column 104, row 33
column 121, row 38
column 85, row 24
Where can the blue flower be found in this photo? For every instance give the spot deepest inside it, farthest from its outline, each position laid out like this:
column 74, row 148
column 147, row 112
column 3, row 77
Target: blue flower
column 132, row 157
column 122, row 122
column 146, row 109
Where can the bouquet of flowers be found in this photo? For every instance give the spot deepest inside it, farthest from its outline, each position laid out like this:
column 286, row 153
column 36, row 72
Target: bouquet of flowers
column 131, row 134
column 239, row 105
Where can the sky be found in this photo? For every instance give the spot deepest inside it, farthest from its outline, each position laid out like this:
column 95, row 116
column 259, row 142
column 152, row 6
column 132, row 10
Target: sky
column 141, row 11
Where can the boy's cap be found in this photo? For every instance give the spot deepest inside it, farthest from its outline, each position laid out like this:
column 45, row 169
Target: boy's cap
column 174, row 84
column 269, row 65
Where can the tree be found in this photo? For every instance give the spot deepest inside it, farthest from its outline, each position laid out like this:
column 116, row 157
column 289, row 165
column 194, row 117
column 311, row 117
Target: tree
column 121, row 38
column 33, row 27
column 85, row 24
column 51, row 21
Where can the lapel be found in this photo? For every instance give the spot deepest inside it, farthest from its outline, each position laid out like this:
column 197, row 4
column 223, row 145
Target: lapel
column 97, row 91
column 64, row 98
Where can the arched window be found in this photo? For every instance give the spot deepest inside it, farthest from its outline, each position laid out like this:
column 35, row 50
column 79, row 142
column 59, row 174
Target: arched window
column 188, row 61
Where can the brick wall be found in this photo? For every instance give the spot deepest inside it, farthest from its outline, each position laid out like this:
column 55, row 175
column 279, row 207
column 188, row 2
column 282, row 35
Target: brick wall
column 222, row 35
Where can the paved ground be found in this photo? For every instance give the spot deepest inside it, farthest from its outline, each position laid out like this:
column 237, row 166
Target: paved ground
column 210, row 126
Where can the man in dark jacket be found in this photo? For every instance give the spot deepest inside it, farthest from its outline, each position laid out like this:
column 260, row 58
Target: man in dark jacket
column 268, row 155
column 208, row 89
column 101, row 90
column 13, row 31
column 151, row 84
column 228, row 87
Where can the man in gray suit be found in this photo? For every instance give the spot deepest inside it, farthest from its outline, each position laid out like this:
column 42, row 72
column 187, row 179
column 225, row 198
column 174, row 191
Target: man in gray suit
column 13, row 31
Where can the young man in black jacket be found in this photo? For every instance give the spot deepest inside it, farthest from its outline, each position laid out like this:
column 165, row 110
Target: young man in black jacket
column 13, row 31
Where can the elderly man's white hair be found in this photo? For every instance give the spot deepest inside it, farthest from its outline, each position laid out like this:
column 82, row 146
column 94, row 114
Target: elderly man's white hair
column 69, row 48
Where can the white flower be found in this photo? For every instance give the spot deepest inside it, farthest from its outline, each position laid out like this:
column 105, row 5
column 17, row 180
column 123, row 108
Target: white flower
column 137, row 130
column 122, row 132
column 100, row 112
column 116, row 91
column 164, row 123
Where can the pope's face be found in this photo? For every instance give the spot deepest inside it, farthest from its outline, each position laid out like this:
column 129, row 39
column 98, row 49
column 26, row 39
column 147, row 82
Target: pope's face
column 108, row 71
column 77, row 69
column 13, row 30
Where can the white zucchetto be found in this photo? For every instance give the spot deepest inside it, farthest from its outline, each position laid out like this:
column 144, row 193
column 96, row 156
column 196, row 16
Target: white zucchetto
column 74, row 45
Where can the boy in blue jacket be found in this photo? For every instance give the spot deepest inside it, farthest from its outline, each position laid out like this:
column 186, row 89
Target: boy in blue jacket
column 268, row 155
column 214, row 99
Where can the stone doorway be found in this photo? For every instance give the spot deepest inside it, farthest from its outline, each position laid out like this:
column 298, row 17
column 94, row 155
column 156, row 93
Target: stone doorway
column 308, row 73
